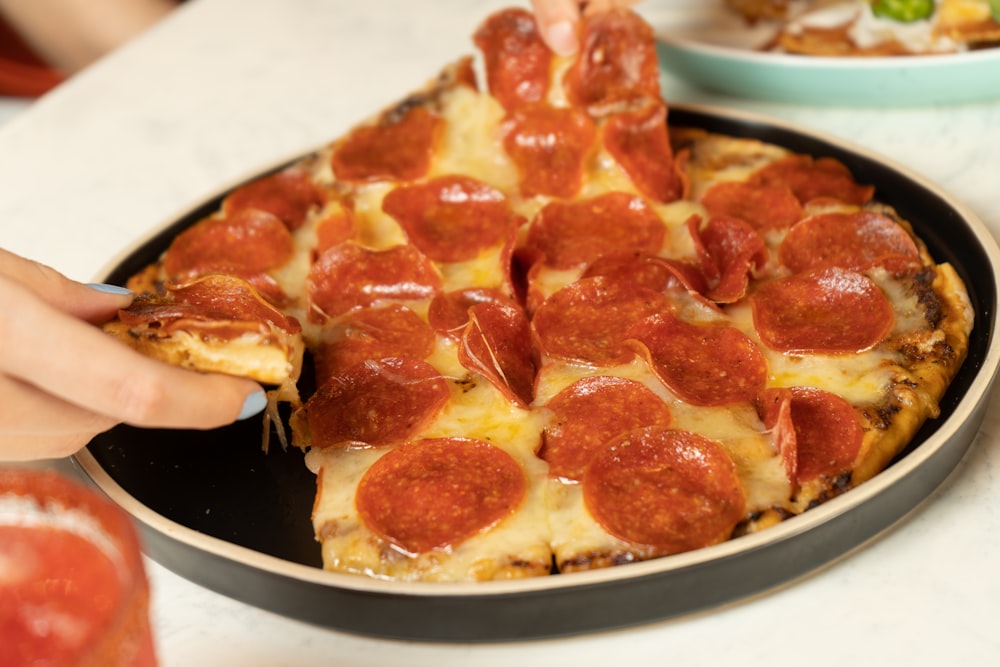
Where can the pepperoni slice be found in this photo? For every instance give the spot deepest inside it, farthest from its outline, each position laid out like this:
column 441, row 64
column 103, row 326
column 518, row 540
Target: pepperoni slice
column 638, row 142
column 825, row 311
column 289, row 194
column 452, row 218
column 496, row 344
column 376, row 403
column 438, row 492
column 449, row 311
column 336, row 226
column 247, row 242
column 349, row 276
column 572, row 234
column 669, row 490
column 811, row 179
column 763, row 207
column 230, row 294
column 818, row 432
column 708, row 267
column 591, row 412
column 371, row 334
column 588, row 320
column 652, row 272
column 702, row 364
column 220, row 305
column 549, row 146
column 856, row 240
column 463, row 73
column 517, row 60
column 774, row 406
column 399, row 147
column 617, row 62
column 734, row 249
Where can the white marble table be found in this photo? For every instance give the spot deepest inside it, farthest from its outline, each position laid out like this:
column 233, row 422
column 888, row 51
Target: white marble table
column 224, row 87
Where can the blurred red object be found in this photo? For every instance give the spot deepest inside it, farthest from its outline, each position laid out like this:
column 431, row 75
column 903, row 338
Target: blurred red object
column 73, row 588
column 22, row 72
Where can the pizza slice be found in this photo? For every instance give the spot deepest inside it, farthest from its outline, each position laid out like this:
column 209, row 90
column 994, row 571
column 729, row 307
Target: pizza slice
column 216, row 323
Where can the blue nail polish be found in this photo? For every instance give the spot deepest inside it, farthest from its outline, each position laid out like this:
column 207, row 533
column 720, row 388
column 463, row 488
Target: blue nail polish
column 109, row 289
column 253, row 404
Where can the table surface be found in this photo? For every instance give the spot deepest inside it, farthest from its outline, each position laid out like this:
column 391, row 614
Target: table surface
column 223, row 88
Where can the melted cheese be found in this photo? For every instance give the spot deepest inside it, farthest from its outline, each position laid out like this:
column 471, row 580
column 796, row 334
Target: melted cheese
column 515, row 547
column 577, row 538
column 472, row 144
column 378, row 229
column 488, row 269
column 293, row 276
column 860, row 378
column 737, row 428
column 604, row 174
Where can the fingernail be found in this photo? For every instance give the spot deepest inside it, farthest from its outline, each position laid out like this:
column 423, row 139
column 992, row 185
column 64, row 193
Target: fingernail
column 561, row 36
column 109, row 289
column 253, row 404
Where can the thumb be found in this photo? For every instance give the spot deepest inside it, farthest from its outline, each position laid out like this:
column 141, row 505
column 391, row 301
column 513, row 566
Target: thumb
column 557, row 21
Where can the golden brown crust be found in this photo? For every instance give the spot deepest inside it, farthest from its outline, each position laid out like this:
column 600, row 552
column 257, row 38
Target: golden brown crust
column 271, row 359
column 147, row 281
column 931, row 359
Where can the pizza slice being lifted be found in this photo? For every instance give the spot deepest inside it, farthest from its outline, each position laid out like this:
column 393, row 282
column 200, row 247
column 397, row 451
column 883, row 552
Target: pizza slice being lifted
column 548, row 331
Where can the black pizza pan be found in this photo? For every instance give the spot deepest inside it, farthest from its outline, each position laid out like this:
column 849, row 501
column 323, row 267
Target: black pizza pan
column 215, row 508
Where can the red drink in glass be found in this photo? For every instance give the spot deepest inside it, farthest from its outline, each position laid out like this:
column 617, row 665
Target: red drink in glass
column 73, row 589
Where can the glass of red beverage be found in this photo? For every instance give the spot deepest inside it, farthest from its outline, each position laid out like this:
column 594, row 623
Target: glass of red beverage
column 73, row 588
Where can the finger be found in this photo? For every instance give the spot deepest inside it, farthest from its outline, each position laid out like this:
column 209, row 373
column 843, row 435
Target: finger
column 27, row 410
column 93, row 303
column 598, row 6
column 81, row 364
column 557, row 21
column 38, row 447
column 35, row 425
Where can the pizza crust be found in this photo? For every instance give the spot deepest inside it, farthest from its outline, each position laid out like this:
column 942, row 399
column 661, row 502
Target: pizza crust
column 934, row 357
column 254, row 356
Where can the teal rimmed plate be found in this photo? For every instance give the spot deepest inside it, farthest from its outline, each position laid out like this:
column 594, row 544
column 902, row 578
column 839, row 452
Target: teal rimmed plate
column 709, row 48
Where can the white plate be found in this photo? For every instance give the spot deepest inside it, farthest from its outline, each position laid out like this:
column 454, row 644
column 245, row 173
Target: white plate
column 700, row 42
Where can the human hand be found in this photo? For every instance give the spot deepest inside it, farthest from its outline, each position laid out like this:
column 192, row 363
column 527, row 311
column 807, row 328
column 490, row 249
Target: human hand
column 557, row 20
column 63, row 380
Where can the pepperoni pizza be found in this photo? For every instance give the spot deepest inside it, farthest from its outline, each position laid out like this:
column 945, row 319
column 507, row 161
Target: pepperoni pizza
column 546, row 331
